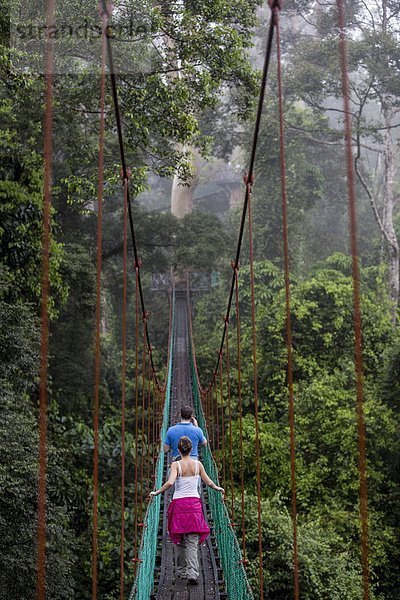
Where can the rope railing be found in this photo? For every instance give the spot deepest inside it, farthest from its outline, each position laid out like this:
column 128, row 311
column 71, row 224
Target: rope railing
column 358, row 351
column 237, row 584
column 97, row 360
column 144, row 580
column 45, row 291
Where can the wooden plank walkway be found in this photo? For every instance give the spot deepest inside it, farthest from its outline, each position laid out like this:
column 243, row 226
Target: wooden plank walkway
column 170, row 586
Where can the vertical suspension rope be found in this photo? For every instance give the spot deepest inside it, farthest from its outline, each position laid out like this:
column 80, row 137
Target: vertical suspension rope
column 228, row 374
column 210, row 417
column 154, row 413
column 204, row 402
column 222, row 423
column 48, row 149
column 249, row 184
column 123, row 387
column 158, row 416
column 100, row 183
column 212, row 422
column 148, row 470
column 239, row 368
column 143, row 421
column 136, row 510
column 217, row 422
column 287, row 305
column 358, row 355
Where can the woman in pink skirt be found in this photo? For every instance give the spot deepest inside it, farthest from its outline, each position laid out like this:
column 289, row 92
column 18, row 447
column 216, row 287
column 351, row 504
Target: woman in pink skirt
column 186, row 524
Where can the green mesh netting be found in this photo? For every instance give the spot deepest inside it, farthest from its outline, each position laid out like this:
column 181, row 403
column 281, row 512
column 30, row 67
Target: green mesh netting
column 144, row 581
column 237, row 585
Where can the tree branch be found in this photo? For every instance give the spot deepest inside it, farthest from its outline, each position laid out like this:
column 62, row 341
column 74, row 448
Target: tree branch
column 369, row 193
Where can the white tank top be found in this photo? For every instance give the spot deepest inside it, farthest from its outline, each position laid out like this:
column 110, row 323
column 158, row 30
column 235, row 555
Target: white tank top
column 188, row 486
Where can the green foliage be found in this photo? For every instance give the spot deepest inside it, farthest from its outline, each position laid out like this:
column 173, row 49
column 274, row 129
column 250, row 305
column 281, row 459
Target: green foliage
column 71, row 361
column 306, row 185
column 19, row 470
column 326, row 428
column 21, row 177
column 322, row 322
column 273, row 456
column 201, row 243
column 327, row 569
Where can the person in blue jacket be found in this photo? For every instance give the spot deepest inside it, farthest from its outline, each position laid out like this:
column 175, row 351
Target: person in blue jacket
column 187, row 427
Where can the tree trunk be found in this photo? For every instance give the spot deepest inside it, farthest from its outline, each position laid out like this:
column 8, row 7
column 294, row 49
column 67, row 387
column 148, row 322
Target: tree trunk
column 389, row 204
column 181, row 198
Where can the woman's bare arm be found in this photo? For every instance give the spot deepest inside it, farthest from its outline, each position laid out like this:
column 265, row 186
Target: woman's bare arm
column 170, row 481
column 209, row 481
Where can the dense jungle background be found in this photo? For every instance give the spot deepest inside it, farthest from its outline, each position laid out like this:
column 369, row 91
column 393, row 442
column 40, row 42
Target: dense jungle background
column 188, row 111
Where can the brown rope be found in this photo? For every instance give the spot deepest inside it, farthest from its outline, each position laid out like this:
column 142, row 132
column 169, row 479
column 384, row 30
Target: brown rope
column 217, row 421
column 136, row 515
column 48, row 132
column 154, row 413
column 228, row 374
column 288, row 310
column 239, row 368
column 363, row 491
column 148, row 415
column 212, row 419
column 159, row 415
column 222, row 423
column 123, row 388
column 255, row 380
column 208, row 409
column 142, row 446
column 204, row 401
column 98, row 311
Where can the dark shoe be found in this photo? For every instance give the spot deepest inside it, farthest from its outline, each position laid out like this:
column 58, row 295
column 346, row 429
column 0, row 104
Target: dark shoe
column 192, row 581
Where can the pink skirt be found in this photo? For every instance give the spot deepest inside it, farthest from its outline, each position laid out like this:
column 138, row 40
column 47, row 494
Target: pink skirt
column 185, row 515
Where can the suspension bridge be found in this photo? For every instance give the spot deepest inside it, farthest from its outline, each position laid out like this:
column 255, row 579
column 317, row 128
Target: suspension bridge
column 219, row 554
column 223, row 558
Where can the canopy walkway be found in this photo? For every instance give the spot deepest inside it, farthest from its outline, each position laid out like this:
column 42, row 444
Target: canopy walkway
column 222, row 564
column 221, row 548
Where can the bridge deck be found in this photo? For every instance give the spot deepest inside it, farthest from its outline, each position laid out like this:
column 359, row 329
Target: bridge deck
column 170, row 587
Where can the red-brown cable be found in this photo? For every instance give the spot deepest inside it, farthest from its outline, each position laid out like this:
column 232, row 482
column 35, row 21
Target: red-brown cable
column 221, row 382
column 239, row 369
column 255, row 383
column 136, row 510
column 48, row 150
column 148, row 415
column 358, row 355
column 100, row 183
column 212, row 419
column 143, row 418
column 228, row 382
column 288, row 308
column 123, row 387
